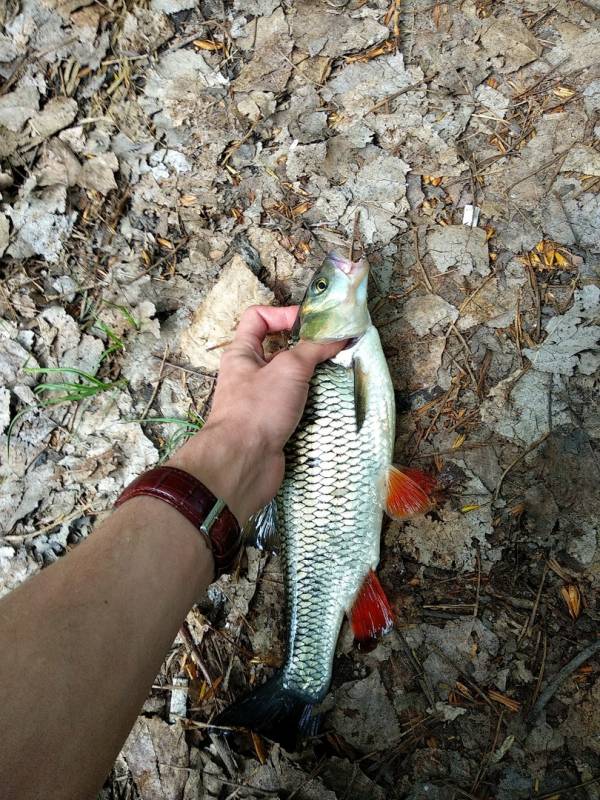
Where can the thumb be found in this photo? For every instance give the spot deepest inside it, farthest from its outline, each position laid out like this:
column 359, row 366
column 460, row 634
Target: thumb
column 309, row 354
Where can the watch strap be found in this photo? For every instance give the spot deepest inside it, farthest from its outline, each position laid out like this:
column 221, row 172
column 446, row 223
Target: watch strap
column 197, row 504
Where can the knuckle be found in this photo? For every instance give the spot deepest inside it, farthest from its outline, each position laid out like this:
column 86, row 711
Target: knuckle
column 250, row 311
column 248, row 316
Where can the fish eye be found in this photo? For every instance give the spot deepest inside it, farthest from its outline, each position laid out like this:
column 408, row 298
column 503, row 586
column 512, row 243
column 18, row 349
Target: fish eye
column 320, row 285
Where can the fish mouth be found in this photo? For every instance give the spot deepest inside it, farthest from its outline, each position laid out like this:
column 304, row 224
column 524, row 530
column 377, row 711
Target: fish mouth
column 355, row 271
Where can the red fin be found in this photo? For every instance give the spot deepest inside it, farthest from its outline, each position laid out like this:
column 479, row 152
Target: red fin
column 409, row 491
column 371, row 614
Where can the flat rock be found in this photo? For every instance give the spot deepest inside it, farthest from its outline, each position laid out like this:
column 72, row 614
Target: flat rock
column 171, row 6
column 425, row 312
column 41, row 224
column 278, row 776
column 543, row 739
column 257, row 8
column 379, row 191
column 363, row 715
column 57, row 114
column 158, row 758
column 15, row 567
column 518, row 406
column 456, row 640
column 569, row 335
column 496, row 300
column 509, row 37
column 492, row 99
column 305, row 160
column 18, row 106
column 215, row 320
column 174, row 93
column 270, row 67
column 318, row 31
column 98, row 173
column 458, row 247
column 584, row 159
column 583, row 719
column 13, row 357
column 285, row 276
column 346, row 779
column 4, row 408
column 591, row 96
column 579, row 46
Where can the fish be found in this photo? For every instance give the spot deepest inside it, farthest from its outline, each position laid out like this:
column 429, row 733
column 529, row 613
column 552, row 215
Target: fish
column 339, row 479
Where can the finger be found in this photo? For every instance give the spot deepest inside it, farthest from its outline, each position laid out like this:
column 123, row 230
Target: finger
column 258, row 321
column 308, row 354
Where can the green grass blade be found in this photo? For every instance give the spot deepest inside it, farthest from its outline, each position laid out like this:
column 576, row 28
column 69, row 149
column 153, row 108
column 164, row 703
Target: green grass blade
column 13, row 422
column 171, row 420
column 68, row 370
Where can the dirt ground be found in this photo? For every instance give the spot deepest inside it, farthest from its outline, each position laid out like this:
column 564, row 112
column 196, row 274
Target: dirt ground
column 163, row 165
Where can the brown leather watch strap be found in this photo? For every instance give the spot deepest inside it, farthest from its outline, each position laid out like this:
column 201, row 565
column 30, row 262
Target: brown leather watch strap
column 190, row 497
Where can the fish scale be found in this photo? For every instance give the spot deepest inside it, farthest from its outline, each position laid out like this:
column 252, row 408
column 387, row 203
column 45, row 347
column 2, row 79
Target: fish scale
column 329, row 509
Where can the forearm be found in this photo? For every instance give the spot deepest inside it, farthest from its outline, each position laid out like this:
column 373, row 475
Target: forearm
column 82, row 642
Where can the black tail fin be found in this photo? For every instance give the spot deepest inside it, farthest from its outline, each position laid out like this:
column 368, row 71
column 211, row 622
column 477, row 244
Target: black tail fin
column 274, row 711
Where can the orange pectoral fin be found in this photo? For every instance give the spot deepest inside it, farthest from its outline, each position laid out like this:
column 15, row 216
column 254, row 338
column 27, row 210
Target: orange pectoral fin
column 371, row 614
column 409, row 491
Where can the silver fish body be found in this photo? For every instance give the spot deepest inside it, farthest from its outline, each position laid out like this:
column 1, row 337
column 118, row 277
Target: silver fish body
column 329, row 507
column 328, row 511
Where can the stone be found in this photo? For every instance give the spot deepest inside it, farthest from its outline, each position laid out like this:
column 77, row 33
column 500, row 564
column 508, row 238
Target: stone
column 461, row 248
column 214, row 321
column 425, row 312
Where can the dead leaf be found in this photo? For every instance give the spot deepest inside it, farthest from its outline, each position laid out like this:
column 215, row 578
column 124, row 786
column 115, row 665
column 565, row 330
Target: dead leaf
column 387, row 47
column 301, row 208
column 572, row 597
column 563, row 92
column 259, row 748
column 207, row 44
column 459, row 441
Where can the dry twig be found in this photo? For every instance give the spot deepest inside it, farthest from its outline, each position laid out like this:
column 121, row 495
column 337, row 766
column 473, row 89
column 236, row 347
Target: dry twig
column 562, row 676
column 515, row 461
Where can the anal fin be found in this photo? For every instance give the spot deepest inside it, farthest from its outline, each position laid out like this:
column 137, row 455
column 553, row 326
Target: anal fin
column 261, row 529
column 409, row 491
column 371, row 614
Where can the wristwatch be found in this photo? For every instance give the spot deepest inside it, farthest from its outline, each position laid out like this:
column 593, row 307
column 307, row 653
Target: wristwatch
column 207, row 513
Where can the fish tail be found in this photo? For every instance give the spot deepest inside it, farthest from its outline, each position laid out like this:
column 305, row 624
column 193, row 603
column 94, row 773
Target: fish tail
column 273, row 710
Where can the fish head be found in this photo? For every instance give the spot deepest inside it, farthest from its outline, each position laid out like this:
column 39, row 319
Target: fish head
column 335, row 303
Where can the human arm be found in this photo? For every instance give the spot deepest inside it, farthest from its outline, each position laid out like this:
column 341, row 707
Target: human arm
column 81, row 642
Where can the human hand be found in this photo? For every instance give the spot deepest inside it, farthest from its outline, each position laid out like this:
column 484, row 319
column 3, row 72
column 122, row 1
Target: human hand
column 257, row 405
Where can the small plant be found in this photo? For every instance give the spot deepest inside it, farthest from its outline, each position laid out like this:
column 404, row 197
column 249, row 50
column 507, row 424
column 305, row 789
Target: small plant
column 185, row 428
column 85, row 385
column 72, row 392
column 135, row 323
column 61, row 392
column 115, row 342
